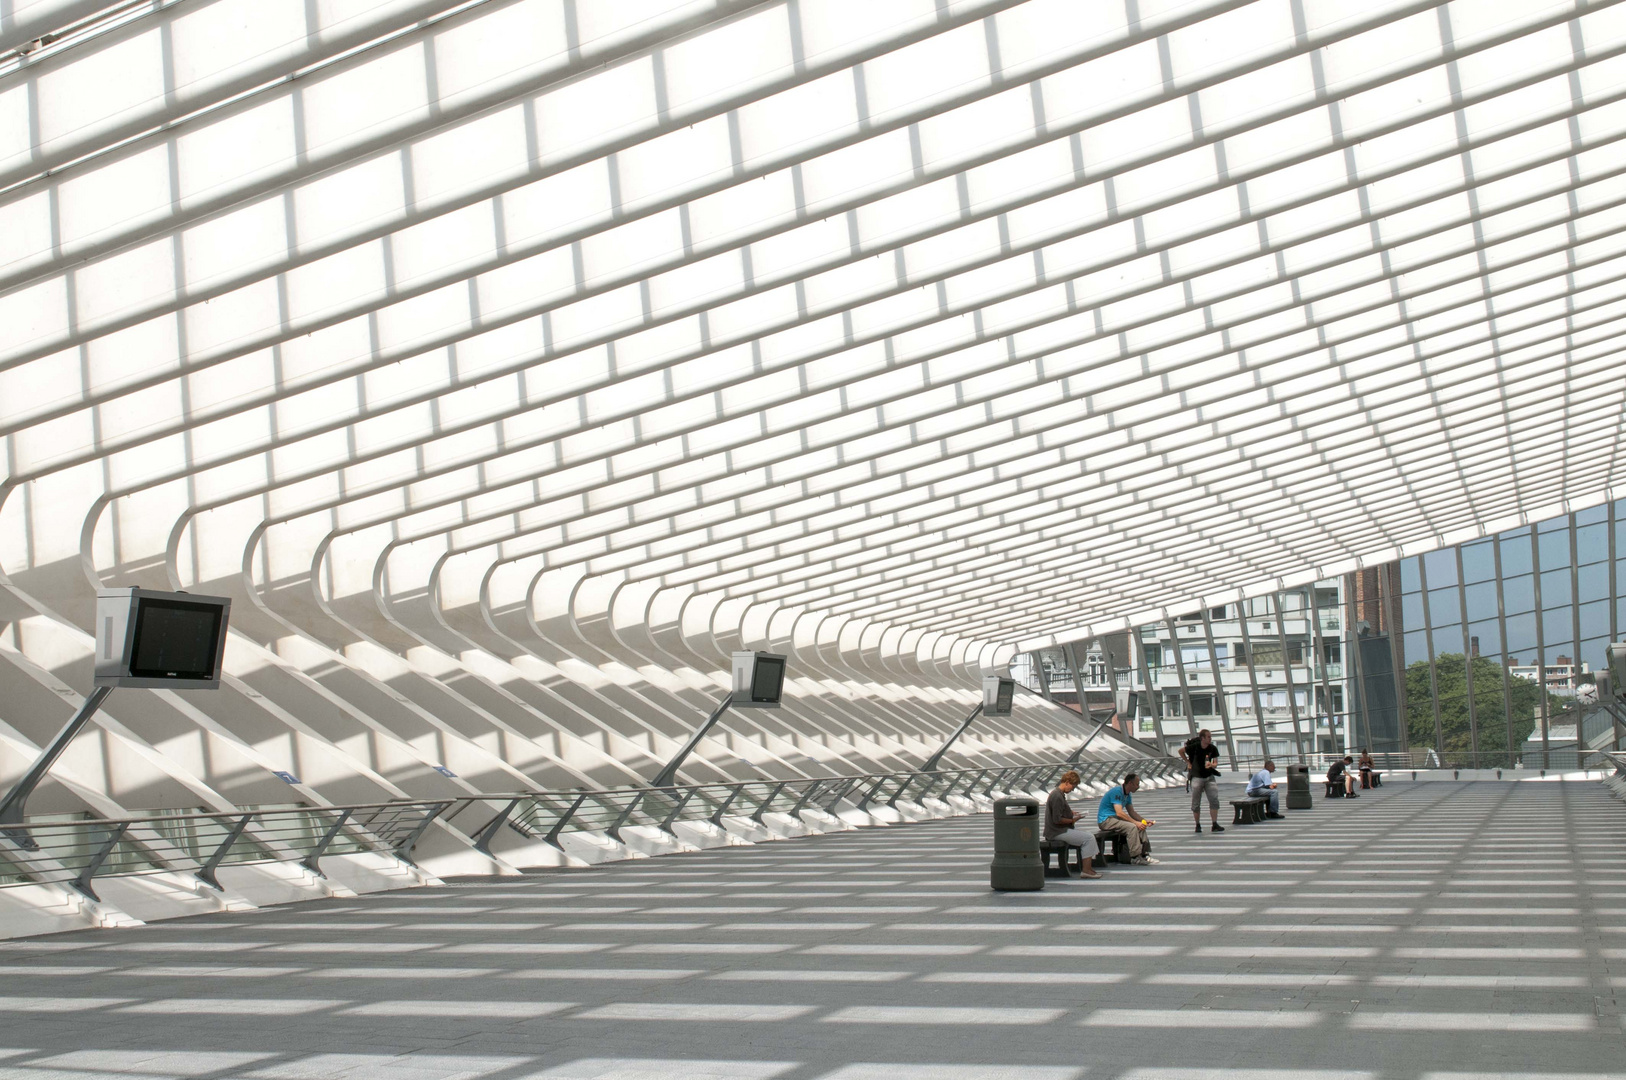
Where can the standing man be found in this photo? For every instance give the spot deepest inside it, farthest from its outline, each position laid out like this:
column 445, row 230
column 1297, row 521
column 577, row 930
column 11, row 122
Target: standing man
column 1263, row 786
column 1117, row 815
column 1061, row 825
column 1202, row 764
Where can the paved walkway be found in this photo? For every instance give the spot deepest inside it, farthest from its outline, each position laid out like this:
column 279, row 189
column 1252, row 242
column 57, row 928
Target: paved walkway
column 1428, row 930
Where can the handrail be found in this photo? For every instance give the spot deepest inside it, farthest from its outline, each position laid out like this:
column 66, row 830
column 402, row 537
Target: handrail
column 1556, row 759
column 76, row 852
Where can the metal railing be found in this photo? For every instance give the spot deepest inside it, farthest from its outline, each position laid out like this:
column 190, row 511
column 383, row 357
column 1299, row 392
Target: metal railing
column 77, row 852
column 1525, row 762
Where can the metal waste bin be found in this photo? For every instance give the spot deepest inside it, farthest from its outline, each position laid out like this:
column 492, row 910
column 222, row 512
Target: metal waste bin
column 1298, row 787
column 1016, row 865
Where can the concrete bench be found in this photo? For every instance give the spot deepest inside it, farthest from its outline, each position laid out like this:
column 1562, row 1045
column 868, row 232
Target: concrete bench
column 1069, row 860
column 1120, row 848
column 1248, row 810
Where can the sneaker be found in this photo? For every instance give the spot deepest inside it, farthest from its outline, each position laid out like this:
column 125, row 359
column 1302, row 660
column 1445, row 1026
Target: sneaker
column 1199, row 830
column 1352, row 795
column 1144, row 860
column 1216, row 827
column 1269, row 815
column 1151, row 861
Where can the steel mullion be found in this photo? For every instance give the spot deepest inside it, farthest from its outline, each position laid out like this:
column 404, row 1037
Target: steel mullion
column 1253, row 676
column 1219, row 687
column 1467, row 657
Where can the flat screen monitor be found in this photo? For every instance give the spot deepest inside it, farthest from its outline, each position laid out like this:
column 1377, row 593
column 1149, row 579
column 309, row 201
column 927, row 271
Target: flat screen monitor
column 759, row 680
column 997, row 694
column 767, row 679
column 175, row 639
column 160, row 639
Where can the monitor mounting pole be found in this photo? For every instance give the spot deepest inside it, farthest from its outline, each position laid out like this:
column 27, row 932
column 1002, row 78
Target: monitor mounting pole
column 11, row 810
column 667, row 775
column 931, row 762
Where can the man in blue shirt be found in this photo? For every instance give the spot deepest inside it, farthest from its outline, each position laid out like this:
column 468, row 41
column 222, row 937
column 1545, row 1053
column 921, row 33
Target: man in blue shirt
column 1262, row 786
column 1117, row 815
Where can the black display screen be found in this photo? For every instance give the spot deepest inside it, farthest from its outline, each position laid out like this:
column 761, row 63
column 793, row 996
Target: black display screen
column 175, row 640
column 767, row 679
column 1002, row 700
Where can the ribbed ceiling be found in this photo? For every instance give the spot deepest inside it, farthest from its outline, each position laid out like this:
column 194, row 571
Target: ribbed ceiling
column 992, row 319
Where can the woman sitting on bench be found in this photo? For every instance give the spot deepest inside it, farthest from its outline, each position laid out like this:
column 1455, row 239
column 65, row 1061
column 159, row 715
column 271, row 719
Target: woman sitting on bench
column 1369, row 773
column 1061, row 825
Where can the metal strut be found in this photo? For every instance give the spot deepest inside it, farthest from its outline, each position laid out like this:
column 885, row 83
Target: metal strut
column 931, row 762
column 11, row 809
column 666, row 776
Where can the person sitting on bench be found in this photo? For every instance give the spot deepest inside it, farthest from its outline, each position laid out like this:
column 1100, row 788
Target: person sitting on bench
column 1117, row 815
column 1369, row 776
column 1061, row 826
column 1340, row 776
column 1262, row 786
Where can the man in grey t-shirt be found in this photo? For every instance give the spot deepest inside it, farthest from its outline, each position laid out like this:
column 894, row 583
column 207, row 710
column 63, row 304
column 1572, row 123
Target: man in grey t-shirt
column 1061, row 824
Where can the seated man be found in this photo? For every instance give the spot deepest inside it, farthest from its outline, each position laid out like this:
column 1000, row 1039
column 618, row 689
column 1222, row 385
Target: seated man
column 1339, row 775
column 1262, row 786
column 1061, row 824
column 1117, row 815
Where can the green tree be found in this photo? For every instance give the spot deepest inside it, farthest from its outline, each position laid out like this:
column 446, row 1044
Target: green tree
column 1489, row 705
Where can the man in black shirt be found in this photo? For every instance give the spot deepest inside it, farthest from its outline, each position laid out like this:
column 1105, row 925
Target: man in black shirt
column 1202, row 759
column 1340, row 776
column 1061, row 824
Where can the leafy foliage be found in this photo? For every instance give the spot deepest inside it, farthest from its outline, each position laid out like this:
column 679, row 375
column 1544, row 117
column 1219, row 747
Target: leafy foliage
column 1489, row 704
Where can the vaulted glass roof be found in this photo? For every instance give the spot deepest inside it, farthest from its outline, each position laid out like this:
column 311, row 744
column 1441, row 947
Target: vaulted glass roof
column 996, row 319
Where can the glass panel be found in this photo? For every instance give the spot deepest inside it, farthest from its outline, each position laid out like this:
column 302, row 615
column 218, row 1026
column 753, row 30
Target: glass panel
column 1478, row 561
column 1593, row 657
column 1443, row 606
column 1519, row 594
column 1521, row 639
column 1411, row 610
column 1515, row 556
column 1591, row 544
column 1591, row 514
column 1595, row 619
column 1481, row 600
column 1448, row 640
column 1556, row 628
column 1484, row 638
column 1409, row 580
column 1555, row 550
column 1441, row 568
column 1592, row 582
column 1555, row 588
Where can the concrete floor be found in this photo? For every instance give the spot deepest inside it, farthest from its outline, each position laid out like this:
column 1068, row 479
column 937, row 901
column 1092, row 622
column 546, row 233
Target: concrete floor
column 1427, row 930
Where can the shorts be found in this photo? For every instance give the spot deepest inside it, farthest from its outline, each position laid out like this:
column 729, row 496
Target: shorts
column 1201, row 785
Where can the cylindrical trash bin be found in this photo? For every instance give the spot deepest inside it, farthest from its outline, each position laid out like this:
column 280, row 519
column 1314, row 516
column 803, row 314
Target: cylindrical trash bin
column 1298, row 787
column 1016, row 865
